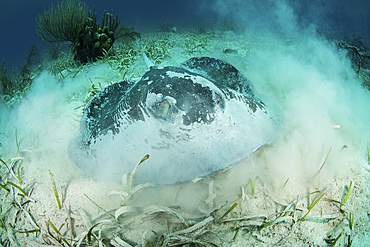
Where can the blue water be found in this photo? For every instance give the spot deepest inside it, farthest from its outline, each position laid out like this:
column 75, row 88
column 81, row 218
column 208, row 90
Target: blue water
column 335, row 18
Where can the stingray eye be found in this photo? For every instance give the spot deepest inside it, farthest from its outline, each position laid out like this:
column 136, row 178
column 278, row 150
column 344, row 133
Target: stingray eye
column 163, row 109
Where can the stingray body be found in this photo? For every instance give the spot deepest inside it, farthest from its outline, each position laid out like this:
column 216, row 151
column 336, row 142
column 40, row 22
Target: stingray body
column 192, row 120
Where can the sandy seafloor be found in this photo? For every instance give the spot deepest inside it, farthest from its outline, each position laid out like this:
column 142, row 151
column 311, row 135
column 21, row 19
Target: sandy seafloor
column 319, row 105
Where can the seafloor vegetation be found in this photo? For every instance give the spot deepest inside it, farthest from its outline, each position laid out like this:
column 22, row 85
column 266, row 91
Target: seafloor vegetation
column 325, row 216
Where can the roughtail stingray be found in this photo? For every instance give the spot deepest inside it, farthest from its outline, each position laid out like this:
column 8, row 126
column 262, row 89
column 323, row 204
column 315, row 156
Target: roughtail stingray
column 192, row 120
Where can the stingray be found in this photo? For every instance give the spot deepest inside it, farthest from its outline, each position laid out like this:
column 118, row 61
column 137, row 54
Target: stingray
column 193, row 121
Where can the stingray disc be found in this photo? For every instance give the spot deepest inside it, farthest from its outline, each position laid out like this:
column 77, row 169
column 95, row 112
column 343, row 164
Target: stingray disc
column 193, row 121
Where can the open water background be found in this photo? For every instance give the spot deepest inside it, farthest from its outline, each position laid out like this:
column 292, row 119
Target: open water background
column 335, row 18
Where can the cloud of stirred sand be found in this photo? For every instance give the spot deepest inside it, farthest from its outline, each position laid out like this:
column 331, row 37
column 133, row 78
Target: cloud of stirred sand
column 304, row 80
column 312, row 86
